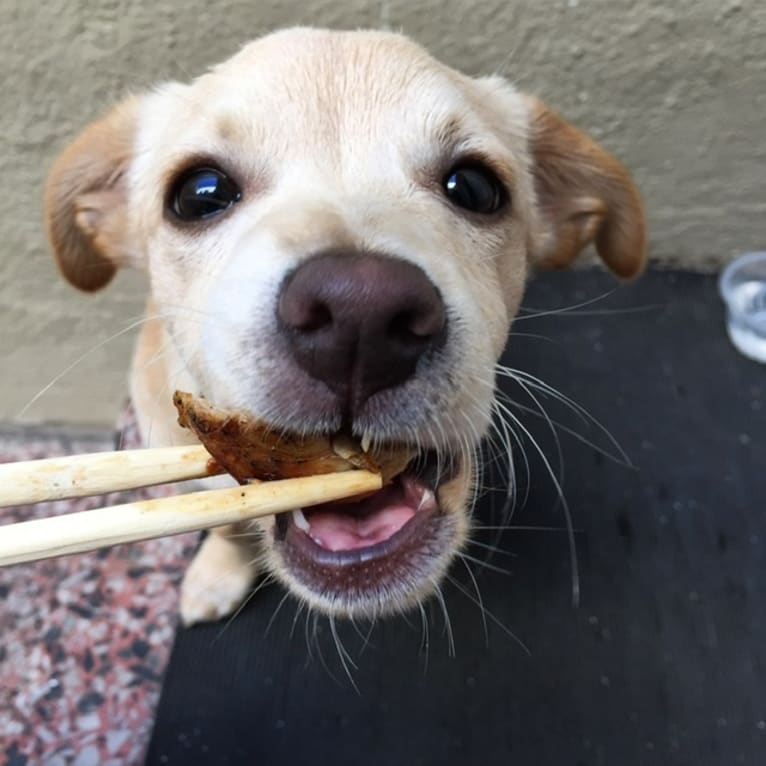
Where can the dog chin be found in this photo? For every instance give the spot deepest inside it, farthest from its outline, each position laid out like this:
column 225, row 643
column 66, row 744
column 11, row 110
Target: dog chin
column 376, row 556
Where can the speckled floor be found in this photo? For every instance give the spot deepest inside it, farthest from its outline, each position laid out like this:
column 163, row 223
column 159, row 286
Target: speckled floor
column 84, row 639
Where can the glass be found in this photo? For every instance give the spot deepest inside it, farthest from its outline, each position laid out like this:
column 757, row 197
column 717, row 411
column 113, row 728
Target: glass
column 743, row 287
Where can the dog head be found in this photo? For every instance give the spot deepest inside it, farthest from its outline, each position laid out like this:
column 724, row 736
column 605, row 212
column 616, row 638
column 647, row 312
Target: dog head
column 337, row 231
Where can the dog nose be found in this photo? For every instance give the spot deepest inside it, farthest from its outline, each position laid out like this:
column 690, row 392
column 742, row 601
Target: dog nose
column 360, row 322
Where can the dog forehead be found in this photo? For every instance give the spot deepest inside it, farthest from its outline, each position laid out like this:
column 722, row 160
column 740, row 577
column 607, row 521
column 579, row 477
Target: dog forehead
column 348, row 109
column 314, row 66
column 307, row 89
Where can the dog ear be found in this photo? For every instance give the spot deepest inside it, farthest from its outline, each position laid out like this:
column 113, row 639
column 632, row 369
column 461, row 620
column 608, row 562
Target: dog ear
column 584, row 195
column 86, row 200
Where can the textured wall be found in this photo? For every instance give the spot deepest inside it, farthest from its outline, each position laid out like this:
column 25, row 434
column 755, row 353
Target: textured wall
column 677, row 89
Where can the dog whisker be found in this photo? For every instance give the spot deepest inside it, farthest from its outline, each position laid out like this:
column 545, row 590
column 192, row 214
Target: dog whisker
column 565, row 429
column 133, row 324
column 447, row 622
column 178, row 309
column 299, row 607
column 527, row 312
column 255, row 534
column 365, row 637
column 564, row 505
column 505, row 445
column 322, row 659
column 552, row 429
column 535, row 336
column 494, row 549
column 521, row 528
column 265, row 581
column 307, row 634
column 509, row 435
column 82, row 357
column 345, row 658
column 165, row 390
column 608, row 312
column 485, row 564
column 498, row 452
column 543, row 387
column 491, row 616
column 501, row 69
column 479, row 599
column 276, row 612
column 424, row 635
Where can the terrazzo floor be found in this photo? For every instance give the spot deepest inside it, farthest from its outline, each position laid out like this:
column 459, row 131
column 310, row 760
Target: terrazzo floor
column 84, row 639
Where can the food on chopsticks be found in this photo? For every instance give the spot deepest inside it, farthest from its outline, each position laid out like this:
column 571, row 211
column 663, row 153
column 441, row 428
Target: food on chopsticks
column 248, row 448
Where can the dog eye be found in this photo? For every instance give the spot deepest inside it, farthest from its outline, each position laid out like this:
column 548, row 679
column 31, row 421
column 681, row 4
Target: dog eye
column 475, row 188
column 202, row 193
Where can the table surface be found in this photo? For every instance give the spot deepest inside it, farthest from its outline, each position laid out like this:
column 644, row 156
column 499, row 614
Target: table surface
column 664, row 659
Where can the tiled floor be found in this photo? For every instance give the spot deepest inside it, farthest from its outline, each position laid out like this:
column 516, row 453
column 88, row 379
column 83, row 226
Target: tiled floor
column 83, row 639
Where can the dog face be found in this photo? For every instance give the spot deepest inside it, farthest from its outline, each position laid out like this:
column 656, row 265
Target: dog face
column 337, row 231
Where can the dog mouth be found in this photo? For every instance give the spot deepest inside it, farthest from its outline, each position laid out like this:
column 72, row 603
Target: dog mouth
column 366, row 554
column 363, row 529
column 371, row 528
column 376, row 553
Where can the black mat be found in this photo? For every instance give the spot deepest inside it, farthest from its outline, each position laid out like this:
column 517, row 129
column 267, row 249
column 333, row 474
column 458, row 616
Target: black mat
column 664, row 660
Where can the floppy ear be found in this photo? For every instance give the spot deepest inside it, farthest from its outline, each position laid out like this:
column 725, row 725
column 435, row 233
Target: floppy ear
column 584, row 195
column 86, row 200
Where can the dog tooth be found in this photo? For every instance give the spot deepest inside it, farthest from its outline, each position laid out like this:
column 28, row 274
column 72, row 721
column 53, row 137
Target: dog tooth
column 427, row 498
column 366, row 440
column 300, row 520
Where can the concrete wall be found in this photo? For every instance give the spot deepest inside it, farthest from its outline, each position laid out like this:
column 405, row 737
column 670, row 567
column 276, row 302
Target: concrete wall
column 676, row 89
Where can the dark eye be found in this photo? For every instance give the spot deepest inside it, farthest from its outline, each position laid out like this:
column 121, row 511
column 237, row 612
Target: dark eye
column 203, row 192
column 475, row 188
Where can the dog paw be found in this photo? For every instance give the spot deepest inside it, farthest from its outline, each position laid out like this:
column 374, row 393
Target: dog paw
column 217, row 581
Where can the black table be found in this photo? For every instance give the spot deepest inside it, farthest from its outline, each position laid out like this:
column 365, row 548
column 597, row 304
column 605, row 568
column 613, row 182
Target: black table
column 663, row 662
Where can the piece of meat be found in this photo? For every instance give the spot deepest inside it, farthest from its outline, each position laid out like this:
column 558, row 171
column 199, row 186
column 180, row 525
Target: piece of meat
column 250, row 449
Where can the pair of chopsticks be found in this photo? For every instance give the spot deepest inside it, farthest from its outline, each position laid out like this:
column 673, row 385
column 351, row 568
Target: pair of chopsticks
column 38, row 481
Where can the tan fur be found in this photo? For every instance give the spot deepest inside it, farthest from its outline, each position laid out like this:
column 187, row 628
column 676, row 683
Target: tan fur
column 338, row 139
column 85, row 200
column 218, row 576
column 585, row 196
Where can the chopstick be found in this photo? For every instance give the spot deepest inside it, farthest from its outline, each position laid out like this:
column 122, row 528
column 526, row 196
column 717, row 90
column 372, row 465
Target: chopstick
column 131, row 522
column 36, row 481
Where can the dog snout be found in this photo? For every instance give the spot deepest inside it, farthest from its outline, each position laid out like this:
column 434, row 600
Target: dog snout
column 360, row 322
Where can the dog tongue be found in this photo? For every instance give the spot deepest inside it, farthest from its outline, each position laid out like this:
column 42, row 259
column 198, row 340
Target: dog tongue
column 346, row 527
column 342, row 532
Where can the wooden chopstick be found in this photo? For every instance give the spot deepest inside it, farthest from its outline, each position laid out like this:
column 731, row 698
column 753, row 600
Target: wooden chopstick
column 88, row 530
column 36, row 481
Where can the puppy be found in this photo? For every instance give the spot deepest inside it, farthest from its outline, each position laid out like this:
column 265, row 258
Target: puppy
column 337, row 231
